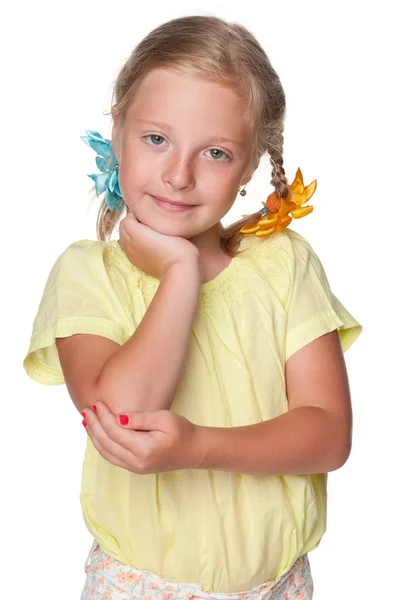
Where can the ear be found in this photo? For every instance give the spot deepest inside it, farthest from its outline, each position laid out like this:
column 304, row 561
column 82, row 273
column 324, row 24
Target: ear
column 249, row 173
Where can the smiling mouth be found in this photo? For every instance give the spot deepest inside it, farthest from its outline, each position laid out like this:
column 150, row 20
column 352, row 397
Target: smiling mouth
column 173, row 207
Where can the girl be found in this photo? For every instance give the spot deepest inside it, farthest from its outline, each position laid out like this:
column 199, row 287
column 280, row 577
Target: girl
column 207, row 362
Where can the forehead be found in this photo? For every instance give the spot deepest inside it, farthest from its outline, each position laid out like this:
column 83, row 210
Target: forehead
column 174, row 97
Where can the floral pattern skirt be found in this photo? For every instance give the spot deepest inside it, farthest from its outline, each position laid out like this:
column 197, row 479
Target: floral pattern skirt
column 109, row 579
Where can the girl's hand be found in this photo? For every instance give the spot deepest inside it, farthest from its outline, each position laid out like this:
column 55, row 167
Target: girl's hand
column 153, row 252
column 151, row 442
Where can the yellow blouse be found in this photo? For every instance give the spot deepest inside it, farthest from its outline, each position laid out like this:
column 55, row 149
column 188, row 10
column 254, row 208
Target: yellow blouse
column 227, row 531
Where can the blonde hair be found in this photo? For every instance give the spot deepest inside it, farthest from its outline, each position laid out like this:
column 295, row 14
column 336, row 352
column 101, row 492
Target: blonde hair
column 213, row 50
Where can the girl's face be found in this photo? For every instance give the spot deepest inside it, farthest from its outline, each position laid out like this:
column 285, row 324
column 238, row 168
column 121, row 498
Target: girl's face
column 187, row 141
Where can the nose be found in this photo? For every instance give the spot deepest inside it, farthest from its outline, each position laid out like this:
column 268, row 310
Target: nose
column 179, row 172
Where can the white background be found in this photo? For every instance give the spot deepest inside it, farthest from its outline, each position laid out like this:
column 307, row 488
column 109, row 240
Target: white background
column 338, row 63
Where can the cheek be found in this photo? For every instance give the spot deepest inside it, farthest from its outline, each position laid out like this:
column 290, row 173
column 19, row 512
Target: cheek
column 226, row 188
column 228, row 179
column 133, row 173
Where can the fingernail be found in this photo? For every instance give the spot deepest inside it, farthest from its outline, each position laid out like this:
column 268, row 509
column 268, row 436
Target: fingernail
column 83, row 414
column 94, row 407
column 123, row 419
column 84, row 423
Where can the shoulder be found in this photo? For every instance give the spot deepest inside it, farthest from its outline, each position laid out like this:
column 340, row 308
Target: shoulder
column 285, row 247
column 77, row 256
column 282, row 259
column 86, row 274
column 80, row 250
column 83, row 250
column 90, row 254
column 85, row 261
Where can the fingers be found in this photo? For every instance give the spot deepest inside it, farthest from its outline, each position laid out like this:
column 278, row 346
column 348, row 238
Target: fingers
column 130, row 218
column 123, row 229
column 106, row 455
column 102, row 427
column 128, row 226
column 157, row 420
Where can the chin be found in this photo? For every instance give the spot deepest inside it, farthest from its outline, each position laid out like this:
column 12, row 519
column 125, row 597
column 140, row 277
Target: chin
column 165, row 228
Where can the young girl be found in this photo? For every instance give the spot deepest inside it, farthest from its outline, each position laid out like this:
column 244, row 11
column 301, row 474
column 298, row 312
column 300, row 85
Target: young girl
column 207, row 362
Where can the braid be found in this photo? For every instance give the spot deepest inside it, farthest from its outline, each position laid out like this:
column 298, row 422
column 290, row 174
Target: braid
column 278, row 178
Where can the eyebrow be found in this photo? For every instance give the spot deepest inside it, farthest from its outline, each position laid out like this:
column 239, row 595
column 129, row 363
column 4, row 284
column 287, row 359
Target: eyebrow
column 166, row 126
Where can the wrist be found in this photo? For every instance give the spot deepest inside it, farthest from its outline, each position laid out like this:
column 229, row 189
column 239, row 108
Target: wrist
column 202, row 445
column 190, row 263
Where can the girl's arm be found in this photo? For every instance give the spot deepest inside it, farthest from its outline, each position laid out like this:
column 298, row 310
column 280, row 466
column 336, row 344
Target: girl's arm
column 144, row 373
column 314, row 436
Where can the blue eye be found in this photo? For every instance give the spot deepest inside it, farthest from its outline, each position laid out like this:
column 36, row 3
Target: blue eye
column 214, row 150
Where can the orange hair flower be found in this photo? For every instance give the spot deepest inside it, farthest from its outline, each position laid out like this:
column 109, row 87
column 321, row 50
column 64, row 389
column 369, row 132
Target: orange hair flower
column 275, row 216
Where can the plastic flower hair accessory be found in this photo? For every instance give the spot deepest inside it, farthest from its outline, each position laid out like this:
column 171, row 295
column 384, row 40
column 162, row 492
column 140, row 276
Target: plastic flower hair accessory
column 107, row 180
column 275, row 214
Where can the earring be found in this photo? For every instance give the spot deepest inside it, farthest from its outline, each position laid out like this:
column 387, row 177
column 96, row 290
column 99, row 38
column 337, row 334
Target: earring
column 243, row 191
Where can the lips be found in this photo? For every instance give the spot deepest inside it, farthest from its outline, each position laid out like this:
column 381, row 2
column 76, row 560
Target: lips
column 171, row 202
column 172, row 206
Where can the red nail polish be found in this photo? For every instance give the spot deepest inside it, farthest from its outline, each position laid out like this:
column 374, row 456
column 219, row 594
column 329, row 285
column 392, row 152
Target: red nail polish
column 94, row 407
column 84, row 423
column 83, row 414
column 123, row 419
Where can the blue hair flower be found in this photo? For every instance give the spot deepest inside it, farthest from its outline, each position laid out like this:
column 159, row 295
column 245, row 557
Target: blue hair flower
column 107, row 180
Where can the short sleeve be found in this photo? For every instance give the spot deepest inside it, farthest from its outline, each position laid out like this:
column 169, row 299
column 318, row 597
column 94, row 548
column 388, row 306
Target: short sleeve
column 78, row 298
column 312, row 308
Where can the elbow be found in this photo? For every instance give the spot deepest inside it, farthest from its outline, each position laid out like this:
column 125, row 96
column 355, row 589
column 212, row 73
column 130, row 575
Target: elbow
column 120, row 400
column 116, row 400
column 341, row 455
column 339, row 435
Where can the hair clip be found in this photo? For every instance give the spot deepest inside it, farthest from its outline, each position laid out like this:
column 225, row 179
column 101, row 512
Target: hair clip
column 107, row 180
column 275, row 214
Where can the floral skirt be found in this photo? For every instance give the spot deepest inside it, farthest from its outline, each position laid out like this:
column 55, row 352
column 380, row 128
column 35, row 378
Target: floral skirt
column 109, row 579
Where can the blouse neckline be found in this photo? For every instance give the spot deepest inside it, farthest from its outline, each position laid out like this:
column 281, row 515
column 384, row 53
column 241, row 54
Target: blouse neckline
column 220, row 280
